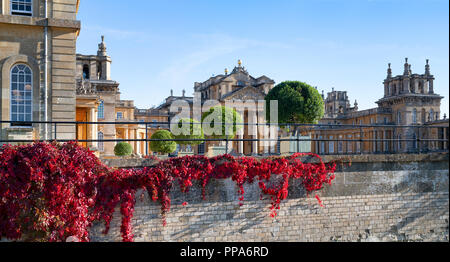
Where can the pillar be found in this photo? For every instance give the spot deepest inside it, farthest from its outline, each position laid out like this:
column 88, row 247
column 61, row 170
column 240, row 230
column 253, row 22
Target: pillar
column 255, row 133
column 93, row 128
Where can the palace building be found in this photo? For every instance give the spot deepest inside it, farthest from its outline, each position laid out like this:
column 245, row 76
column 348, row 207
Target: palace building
column 98, row 100
column 37, row 67
column 409, row 100
column 239, row 88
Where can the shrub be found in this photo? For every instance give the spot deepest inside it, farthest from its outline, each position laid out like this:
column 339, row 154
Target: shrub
column 189, row 129
column 123, row 149
column 165, row 147
column 229, row 119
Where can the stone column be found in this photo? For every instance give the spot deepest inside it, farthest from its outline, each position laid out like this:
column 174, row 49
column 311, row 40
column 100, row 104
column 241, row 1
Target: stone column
column 241, row 143
column 431, row 90
column 255, row 133
column 93, row 129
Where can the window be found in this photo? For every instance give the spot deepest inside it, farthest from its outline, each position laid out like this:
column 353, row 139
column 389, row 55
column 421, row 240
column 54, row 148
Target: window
column 86, row 72
column 340, row 145
column 119, row 115
column 349, row 144
column 21, row 94
column 399, row 117
column 154, row 121
column 431, row 115
column 331, row 146
column 101, row 110
column 100, row 143
column 358, row 144
column 414, row 116
column 399, row 142
column 21, row 7
column 322, row 145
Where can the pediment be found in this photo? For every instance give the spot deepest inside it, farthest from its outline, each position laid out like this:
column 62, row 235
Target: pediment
column 246, row 93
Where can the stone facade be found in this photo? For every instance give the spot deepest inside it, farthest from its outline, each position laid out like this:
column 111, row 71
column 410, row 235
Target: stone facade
column 378, row 198
column 23, row 42
column 409, row 100
column 98, row 100
column 237, row 88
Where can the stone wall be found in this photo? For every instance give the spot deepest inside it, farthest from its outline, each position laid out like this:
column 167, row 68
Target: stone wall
column 377, row 198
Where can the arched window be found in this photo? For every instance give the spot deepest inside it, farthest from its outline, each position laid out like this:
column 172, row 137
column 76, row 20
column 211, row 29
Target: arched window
column 414, row 116
column 86, row 72
column 101, row 110
column 431, row 115
column 21, row 94
column 100, row 143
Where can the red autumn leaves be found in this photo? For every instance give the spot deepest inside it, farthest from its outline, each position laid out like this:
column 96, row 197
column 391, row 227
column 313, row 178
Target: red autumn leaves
column 51, row 192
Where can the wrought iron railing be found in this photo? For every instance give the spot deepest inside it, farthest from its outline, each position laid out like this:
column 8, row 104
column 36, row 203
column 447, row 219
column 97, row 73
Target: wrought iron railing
column 365, row 139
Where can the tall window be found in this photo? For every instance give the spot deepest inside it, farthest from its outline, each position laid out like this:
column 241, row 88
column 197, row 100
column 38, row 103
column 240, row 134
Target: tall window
column 414, row 116
column 340, row 145
column 358, row 144
column 101, row 110
column 322, row 145
column 349, row 144
column 119, row 115
column 21, row 7
column 331, row 146
column 399, row 117
column 431, row 115
column 100, row 144
column 21, row 93
column 86, row 73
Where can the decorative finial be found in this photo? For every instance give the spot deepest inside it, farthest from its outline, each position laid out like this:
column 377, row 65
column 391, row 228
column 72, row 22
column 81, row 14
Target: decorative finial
column 389, row 71
column 102, row 47
column 239, row 62
column 226, row 71
column 171, row 92
column 407, row 70
column 427, row 68
column 445, row 116
column 184, row 92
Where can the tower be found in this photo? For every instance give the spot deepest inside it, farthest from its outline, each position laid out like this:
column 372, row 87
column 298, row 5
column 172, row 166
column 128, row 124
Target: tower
column 104, row 62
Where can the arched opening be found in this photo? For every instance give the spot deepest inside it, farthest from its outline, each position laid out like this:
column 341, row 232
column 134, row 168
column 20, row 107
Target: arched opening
column 86, row 72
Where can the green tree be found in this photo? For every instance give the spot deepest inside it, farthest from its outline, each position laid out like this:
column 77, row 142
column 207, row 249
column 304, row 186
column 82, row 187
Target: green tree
column 165, row 147
column 189, row 129
column 123, row 149
column 229, row 119
column 298, row 102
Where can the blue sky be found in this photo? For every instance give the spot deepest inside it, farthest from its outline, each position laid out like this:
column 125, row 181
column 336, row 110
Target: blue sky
column 158, row 45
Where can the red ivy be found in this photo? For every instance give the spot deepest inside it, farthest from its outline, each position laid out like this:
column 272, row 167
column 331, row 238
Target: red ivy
column 50, row 191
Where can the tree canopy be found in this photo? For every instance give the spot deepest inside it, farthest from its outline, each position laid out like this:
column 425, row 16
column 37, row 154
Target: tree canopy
column 165, row 147
column 189, row 129
column 227, row 117
column 298, row 102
